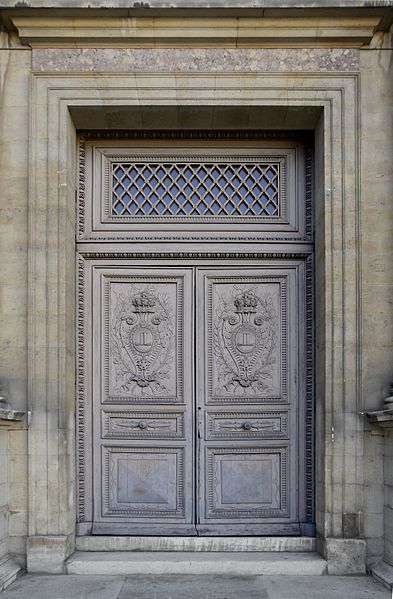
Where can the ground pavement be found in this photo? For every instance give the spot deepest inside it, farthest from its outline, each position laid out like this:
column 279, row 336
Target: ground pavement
column 195, row 587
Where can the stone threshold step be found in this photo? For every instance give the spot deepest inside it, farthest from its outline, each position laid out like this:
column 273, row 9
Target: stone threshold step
column 138, row 543
column 127, row 563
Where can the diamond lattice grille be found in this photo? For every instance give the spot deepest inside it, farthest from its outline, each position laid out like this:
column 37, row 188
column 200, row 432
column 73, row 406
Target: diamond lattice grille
column 189, row 189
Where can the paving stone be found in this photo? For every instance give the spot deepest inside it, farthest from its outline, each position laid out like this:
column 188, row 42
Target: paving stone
column 326, row 587
column 179, row 586
column 64, row 587
column 193, row 587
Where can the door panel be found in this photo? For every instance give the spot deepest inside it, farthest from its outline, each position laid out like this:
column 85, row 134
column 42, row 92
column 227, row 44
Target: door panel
column 143, row 400
column 241, row 473
column 248, row 348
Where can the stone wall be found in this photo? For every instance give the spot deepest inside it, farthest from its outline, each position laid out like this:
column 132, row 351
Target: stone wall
column 14, row 146
column 388, row 499
column 377, row 248
column 374, row 516
column 4, row 494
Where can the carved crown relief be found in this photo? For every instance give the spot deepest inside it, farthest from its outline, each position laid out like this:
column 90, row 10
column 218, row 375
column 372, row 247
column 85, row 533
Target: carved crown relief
column 245, row 340
column 143, row 340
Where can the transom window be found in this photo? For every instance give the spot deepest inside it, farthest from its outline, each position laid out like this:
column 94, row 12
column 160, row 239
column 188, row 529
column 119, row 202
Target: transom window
column 208, row 189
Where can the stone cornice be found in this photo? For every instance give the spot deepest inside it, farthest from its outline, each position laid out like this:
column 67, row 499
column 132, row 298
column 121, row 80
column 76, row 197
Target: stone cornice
column 382, row 418
column 352, row 31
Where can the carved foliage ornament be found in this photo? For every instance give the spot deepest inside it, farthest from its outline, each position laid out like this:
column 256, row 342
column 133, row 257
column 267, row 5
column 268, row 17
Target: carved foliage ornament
column 143, row 342
column 245, row 330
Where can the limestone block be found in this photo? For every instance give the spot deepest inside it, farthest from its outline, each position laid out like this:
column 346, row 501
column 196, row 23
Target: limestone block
column 18, row 522
column 47, row 554
column 3, row 523
column 4, row 496
column 345, row 556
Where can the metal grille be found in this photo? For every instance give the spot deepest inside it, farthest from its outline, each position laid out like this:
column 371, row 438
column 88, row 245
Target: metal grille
column 187, row 189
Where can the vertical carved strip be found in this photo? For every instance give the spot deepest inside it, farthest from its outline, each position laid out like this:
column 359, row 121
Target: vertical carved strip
column 81, row 390
column 309, row 192
column 284, row 333
column 81, row 193
column 309, row 411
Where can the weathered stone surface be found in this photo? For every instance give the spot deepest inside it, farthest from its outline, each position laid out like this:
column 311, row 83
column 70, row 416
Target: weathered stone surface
column 345, row 556
column 197, row 60
column 47, row 554
column 231, row 564
column 101, row 543
column 195, row 587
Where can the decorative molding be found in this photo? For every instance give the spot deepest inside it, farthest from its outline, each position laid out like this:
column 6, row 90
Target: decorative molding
column 190, row 134
column 309, row 192
column 130, row 424
column 113, row 162
column 94, row 255
column 80, row 387
column 247, row 425
column 153, row 394
column 382, row 418
column 110, row 507
column 310, row 384
column 97, row 221
column 171, row 32
column 81, row 192
column 7, row 414
column 213, row 483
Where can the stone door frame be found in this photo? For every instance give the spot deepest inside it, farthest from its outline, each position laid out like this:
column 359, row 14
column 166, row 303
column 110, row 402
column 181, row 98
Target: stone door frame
column 52, row 326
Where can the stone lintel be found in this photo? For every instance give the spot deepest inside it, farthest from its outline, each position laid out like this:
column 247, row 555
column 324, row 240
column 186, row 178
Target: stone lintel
column 47, row 554
column 343, row 556
column 206, row 31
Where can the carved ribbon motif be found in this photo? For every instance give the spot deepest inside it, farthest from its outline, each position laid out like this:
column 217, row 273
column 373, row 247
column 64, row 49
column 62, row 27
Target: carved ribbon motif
column 244, row 342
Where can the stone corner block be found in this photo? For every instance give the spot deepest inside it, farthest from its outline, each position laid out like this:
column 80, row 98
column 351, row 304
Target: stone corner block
column 47, row 554
column 344, row 556
column 9, row 570
column 383, row 572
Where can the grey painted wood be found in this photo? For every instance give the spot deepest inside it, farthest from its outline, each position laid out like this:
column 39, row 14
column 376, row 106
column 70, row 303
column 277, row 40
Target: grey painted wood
column 195, row 377
column 248, row 348
column 142, row 400
column 248, row 355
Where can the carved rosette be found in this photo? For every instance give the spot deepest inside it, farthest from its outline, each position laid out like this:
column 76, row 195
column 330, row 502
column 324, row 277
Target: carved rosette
column 245, row 328
column 143, row 343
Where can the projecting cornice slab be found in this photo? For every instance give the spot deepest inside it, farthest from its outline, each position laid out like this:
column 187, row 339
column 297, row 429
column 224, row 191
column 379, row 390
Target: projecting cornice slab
column 161, row 32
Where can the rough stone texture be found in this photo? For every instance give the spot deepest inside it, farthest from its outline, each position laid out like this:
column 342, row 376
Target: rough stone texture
column 388, row 497
column 345, row 556
column 198, row 587
column 147, row 60
column 14, row 81
column 47, row 554
column 377, row 227
column 65, row 587
column 4, row 493
column 266, row 4
column 383, row 572
column 209, row 587
column 101, row 543
column 237, row 564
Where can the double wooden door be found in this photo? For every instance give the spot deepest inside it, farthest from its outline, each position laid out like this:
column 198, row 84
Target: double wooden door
column 197, row 398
